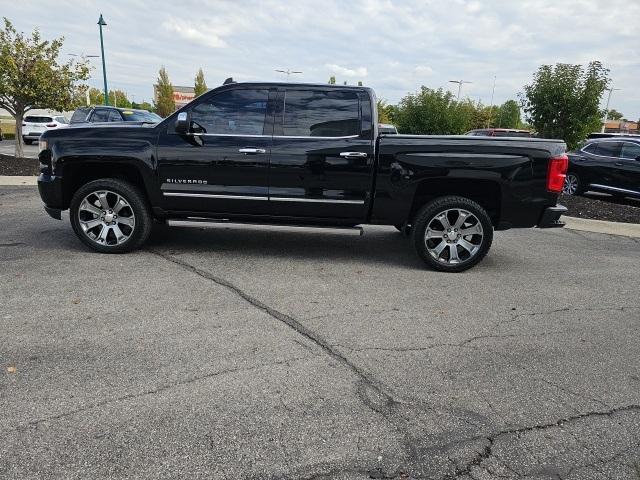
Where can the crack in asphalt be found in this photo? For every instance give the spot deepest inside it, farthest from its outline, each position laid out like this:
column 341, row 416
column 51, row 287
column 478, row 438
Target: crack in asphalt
column 385, row 402
column 153, row 391
column 487, row 450
column 373, row 394
column 518, row 316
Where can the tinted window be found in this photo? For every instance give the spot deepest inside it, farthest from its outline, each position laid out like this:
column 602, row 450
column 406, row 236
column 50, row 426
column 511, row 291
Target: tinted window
column 114, row 116
column 511, row 134
column 140, row 116
column 591, row 148
column 35, row 119
column 100, row 115
column 60, row 120
column 630, row 150
column 608, row 149
column 235, row 112
column 321, row 114
column 80, row 115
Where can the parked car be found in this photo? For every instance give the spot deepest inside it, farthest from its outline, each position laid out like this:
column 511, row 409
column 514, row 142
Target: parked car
column 297, row 155
column 499, row 132
column 34, row 125
column 610, row 165
column 610, row 135
column 101, row 114
column 387, row 129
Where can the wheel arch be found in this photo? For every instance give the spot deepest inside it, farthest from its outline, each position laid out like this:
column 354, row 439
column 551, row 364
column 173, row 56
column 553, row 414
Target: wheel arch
column 487, row 193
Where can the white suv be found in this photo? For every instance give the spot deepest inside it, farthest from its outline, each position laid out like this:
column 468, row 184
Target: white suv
column 34, row 125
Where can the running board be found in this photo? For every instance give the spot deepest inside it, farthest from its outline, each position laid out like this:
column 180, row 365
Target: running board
column 211, row 223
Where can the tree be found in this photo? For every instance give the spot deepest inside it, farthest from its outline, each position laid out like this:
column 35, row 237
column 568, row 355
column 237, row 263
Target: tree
column 508, row 115
column 563, row 101
column 117, row 98
column 434, row 112
column 32, row 77
column 332, row 80
column 165, row 105
column 385, row 111
column 200, row 85
column 147, row 106
column 614, row 115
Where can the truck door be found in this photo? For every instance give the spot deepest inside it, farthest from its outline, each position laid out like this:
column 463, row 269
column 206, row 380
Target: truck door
column 221, row 165
column 322, row 154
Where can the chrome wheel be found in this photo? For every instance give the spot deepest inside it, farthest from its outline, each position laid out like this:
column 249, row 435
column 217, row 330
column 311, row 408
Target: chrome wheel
column 106, row 218
column 453, row 236
column 570, row 184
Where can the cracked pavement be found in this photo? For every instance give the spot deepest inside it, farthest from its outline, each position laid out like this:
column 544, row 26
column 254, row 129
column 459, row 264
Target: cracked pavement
column 245, row 353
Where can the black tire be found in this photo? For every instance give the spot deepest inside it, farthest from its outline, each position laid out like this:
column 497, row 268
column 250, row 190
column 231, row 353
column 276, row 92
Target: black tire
column 450, row 206
column 572, row 185
column 137, row 208
column 28, row 142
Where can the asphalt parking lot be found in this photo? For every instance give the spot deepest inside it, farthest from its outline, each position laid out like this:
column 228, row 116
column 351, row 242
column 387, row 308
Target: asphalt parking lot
column 258, row 354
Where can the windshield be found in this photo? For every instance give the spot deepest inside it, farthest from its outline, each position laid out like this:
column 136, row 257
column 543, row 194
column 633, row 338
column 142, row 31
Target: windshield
column 140, row 116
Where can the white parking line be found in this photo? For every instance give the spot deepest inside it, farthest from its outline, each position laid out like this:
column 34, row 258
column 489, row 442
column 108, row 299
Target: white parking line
column 18, row 180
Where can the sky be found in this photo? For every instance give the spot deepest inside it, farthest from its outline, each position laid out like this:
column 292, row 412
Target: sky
column 393, row 46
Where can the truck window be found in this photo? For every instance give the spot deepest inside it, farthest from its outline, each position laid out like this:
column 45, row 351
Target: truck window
column 233, row 112
column 609, row 149
column 630, row 150
column 100, row 115
column 317, row 113
column 114, row 116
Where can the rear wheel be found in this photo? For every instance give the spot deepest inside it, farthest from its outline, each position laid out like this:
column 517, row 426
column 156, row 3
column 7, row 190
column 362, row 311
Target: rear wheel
column 572, row 185
column 110, row 216
column 452, row 234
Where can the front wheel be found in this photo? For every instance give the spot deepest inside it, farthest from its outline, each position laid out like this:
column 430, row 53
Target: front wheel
column 452, row 234
column 110, row 216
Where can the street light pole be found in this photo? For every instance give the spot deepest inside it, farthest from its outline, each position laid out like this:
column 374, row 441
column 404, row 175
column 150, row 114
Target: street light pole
column 459, row 82
column 102, row 23
column 287, row 72
column 606, row 109
column 491, row 106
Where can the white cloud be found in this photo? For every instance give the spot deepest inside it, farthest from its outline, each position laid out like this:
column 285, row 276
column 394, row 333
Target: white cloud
column 346, row 72
column 193, row 32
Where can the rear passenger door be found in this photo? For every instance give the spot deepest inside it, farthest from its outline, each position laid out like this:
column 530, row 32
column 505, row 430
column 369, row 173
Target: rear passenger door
column 628, row 167
column 322, row 154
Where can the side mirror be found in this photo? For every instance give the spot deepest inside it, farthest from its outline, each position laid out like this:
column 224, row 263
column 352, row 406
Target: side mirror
column 183, row 123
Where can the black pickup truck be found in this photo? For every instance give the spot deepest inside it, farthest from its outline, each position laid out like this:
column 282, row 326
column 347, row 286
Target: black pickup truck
column 297, row 155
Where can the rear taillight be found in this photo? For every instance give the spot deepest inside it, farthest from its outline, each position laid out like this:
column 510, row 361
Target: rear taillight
column 556, row 173
column 51, row 125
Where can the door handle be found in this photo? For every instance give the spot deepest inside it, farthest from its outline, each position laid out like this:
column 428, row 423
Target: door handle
column 618, row 164
column 354, row 154
column 251, row 150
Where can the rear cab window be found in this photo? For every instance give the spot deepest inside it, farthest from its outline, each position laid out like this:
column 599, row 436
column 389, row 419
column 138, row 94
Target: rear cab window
column 320, row 113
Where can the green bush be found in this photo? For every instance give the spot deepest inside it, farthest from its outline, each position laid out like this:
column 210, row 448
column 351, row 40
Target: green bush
column 8, row 136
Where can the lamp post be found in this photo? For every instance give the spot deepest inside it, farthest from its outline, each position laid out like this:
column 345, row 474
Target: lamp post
column 287, row 72
column 606, row 109
column 102, row 23
column 459, row 82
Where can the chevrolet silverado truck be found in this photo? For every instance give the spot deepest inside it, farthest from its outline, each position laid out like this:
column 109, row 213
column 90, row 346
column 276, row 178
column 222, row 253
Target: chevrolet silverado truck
column 297, row 155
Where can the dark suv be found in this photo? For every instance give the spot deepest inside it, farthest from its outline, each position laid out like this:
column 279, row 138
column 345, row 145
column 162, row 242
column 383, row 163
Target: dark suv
column 610, row 165
column 113, row 114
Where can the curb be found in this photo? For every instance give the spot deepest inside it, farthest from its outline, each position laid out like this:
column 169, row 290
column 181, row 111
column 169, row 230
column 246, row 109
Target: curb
column 601, row 226
column 6, row 180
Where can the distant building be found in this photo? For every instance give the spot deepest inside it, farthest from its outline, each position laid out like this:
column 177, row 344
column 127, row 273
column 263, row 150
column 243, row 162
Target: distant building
column 181, row 95
column 621, row 126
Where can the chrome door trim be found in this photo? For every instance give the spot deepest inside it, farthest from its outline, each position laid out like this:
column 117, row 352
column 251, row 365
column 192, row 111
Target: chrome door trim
column 354, row 154
column 214, row 195
column 615, row 189
column 316, row 200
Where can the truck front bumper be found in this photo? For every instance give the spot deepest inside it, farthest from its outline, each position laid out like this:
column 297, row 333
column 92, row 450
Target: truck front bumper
column 551, row 217
column 50, row 188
